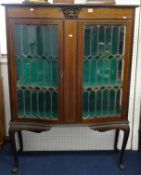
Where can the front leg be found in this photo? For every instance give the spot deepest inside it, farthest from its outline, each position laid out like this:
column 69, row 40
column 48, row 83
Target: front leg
column 126, row 132
column 124, row 126
column 14, row 149
column 20, row 140
column 116, row 139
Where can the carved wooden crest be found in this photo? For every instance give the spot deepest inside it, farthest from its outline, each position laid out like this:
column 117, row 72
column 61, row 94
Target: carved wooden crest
column 71, row 12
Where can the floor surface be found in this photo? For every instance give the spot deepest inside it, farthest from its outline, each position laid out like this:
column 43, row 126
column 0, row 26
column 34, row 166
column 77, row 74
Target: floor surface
column 70, row 163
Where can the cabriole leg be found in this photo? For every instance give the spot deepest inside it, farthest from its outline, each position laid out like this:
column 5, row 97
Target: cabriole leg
column 14, row 149
column 116, row 139
column 116, row 126
column 126, row 132
column 20, row 140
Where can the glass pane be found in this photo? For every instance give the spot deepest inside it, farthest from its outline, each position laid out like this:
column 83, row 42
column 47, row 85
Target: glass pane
column 103, row 63
column 37, row 70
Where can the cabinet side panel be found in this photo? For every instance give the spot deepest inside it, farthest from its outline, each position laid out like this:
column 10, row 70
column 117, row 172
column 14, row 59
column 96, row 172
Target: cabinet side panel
column 127, row 70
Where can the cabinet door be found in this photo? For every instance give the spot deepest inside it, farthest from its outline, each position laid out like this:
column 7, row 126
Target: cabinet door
column 104, row 69
column 35, row 68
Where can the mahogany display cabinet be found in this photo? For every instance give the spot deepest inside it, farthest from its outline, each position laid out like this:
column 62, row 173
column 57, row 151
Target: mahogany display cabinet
column 69, row 64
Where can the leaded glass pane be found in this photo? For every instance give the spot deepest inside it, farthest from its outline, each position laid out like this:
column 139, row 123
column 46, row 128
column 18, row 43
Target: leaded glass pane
column 37, row 70
column 103, row 62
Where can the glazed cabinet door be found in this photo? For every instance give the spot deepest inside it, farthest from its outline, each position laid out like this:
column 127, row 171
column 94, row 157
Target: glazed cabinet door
column 35, row 69
column 103, row 70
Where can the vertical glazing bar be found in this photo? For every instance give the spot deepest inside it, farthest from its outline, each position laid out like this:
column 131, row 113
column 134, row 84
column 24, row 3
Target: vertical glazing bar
column 22, row 39
column 117, row 71
column 38, row 103
column 122, row 70
column 103, row 66
column 96, row 103
column 51, row 84
column 44, row 61
column 111, row 29
column 50, row 31
column 109, row 59
column 89, row 84
column 22, row 53
column 123, row 52
column 44, row 103
column 101, row 102
column 121, row 97
column 98, row 26
column 122, row 73
column 118, row 41
column 97, row 53
column 119, row 29
column 24, row 101
column 44, row 72
column 91, row 30
column 89, row 104
column 108, row 106
column 51, row 34
column 37, row 59
column 51, row 104
column 29, row 40
column 115, row 101
column 31, row 102
column 124, row 34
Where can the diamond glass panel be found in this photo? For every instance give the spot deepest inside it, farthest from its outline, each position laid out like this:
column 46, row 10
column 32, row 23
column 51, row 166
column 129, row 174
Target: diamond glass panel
column 103, row 63
column 37, row 70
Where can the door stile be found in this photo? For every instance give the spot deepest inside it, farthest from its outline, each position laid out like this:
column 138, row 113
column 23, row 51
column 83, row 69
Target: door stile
column 70, row 66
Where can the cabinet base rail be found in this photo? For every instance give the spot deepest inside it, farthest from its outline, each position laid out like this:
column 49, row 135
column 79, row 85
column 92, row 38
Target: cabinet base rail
column 38, row 128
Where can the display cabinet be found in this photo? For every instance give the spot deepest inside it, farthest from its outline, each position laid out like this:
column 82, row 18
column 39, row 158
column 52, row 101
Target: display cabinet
column 69, row 64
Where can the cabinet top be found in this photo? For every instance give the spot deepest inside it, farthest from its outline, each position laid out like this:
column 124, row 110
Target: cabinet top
column 69, row 5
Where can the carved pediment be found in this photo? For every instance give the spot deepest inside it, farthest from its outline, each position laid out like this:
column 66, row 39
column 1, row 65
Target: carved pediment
column 71, row 12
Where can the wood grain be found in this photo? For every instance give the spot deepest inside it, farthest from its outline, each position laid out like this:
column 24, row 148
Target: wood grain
column 70, row 62
column 105, row 13
column 34, row 12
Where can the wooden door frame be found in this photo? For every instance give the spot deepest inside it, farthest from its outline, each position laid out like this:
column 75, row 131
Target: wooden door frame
column 127, row 69
column 13, row 74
